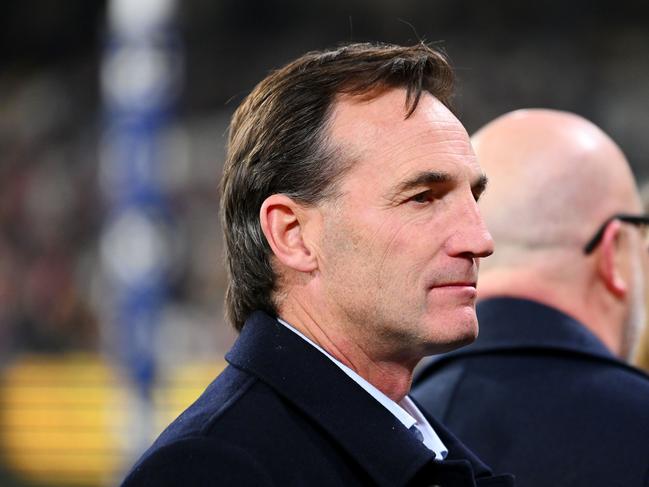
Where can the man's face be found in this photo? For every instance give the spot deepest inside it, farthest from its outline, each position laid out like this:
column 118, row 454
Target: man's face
column 400, row 247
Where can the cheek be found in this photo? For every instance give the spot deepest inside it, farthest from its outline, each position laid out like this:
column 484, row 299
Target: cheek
column 395, row 233
column 404, row 252
column 414, row 240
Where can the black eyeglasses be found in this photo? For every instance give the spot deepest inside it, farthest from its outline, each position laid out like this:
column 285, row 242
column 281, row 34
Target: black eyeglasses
column 639, row 220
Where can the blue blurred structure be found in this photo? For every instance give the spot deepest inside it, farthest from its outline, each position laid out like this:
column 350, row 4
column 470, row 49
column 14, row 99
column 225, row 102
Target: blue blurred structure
column 141, row 74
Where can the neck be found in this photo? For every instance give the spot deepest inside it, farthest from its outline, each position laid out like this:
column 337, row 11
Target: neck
column 590, row 305
column 391, row 375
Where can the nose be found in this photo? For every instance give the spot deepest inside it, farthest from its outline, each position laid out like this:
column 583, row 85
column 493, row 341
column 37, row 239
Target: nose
column 471, row 238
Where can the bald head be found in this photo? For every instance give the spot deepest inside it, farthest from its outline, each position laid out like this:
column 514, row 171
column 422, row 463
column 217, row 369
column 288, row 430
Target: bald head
column 554, row 177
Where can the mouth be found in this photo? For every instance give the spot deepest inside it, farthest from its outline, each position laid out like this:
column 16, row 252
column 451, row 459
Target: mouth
column 468, row 288
column 460, row 284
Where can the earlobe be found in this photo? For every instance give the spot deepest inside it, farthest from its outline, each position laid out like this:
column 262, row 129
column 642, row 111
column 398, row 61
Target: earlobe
column 283, row 222
column 610, row 265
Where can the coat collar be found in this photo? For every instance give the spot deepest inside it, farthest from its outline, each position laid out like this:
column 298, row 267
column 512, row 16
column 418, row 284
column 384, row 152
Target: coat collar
column 308, row 379
column 517, row 325
column 521, row 323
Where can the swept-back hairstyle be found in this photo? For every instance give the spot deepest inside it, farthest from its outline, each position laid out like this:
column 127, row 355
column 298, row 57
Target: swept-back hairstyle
column 278, row 144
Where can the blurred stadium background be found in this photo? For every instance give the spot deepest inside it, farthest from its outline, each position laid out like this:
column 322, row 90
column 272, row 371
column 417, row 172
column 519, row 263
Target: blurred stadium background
column 112, row 127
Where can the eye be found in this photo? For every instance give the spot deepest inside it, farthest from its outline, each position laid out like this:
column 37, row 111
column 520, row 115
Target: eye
column 423, row 197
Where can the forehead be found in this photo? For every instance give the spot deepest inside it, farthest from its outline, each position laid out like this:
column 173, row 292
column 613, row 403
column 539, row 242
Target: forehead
column 385, row 145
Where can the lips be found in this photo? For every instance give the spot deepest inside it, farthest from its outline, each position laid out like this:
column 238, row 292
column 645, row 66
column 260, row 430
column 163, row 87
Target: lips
column 457, row 284
column 454, row 283
column 460, row 278
column 460, row 288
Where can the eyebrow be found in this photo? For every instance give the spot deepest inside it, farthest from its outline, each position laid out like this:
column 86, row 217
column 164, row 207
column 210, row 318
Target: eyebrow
column 425, row 178
column 428, row 178
column 480, row 184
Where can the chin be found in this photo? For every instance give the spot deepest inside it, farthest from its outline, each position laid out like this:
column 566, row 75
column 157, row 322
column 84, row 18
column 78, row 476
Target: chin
column 461, row 337
column 468, row 339
column 462, row 332
column 462, row 341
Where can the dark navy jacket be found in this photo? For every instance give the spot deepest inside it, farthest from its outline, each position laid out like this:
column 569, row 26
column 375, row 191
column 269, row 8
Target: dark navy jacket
column 539, row 394
column 283, row 414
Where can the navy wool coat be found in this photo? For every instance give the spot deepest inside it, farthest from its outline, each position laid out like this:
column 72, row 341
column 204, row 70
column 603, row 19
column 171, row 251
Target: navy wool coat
column 283, row 414
column 539, row 394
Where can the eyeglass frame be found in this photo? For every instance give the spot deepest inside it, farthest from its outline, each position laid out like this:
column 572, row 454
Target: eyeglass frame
column 623, row 217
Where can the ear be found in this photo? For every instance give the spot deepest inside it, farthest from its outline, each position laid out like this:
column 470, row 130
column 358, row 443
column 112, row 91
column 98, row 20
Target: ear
column 283, row 222
column 609, row 263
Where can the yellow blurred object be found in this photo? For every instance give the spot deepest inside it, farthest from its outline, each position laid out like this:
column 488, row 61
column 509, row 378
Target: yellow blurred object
column 62, row 418
column 641, row 358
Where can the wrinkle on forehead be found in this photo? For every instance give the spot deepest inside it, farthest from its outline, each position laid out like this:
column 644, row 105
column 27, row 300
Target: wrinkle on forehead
column 352, row 117
column 377, row 128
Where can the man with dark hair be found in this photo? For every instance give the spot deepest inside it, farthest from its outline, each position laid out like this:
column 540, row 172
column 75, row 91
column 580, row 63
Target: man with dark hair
column 545, row 389
column 352, row 243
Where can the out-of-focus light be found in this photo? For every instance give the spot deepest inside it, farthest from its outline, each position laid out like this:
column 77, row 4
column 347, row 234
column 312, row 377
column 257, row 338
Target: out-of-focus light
column 138, row 76
column 39, row 444
column 133, row 18
column 134, row 248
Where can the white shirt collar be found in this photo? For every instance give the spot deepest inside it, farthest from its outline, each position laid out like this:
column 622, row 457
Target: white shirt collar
column 405, row 411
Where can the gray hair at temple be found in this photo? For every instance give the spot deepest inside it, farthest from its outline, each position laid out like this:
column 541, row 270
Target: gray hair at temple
column 278, row 143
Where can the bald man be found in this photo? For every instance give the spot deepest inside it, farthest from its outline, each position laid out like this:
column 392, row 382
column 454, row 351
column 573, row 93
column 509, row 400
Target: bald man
column 545, row 390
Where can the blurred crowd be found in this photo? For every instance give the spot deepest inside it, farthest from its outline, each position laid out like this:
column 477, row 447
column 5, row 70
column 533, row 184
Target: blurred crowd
column 52, row 289
column 49, row 215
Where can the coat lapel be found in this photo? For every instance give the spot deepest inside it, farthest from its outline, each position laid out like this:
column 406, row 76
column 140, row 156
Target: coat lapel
column 309, row 380
column 459, row 454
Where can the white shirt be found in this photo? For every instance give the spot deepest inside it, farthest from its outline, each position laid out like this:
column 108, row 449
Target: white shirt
column 405, row 411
